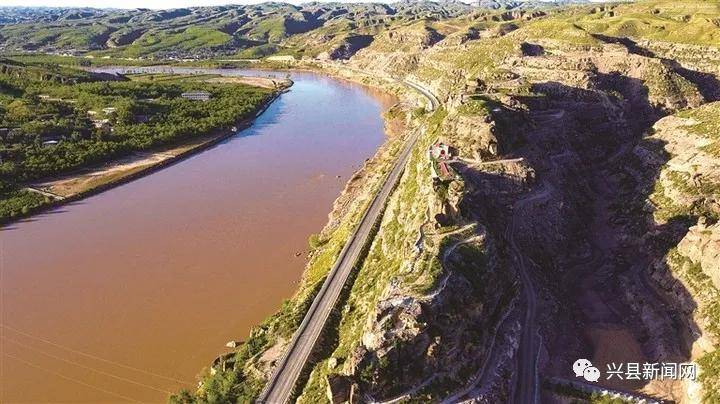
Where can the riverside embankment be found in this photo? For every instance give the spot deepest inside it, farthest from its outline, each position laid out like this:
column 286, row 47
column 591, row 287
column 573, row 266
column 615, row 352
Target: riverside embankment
column 282, row 382
column 128, row 293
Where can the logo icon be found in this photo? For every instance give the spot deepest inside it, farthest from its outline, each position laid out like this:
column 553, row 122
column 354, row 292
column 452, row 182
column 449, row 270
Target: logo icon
column 580, row 365
column 591, row 374
column 584, row 368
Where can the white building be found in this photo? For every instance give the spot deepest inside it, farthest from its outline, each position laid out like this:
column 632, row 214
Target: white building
column 439, row 151
column 281, row 58
column 196, row 95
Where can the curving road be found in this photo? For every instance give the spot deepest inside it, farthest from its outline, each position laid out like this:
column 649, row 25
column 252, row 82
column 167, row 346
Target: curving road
column 283, row 379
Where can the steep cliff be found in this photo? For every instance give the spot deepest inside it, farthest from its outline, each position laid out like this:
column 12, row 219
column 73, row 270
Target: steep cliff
column 684, row 148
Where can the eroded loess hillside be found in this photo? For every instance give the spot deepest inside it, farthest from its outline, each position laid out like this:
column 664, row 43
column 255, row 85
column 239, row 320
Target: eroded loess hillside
column 244, row 31
column 604, row 121
column 580, row 219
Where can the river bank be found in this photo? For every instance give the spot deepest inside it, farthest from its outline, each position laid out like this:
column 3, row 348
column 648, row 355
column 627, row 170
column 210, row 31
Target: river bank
column 90, row 181
column 254, row 359
column 161, row 272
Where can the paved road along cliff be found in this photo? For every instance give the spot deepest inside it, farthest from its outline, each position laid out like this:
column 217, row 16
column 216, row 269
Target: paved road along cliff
column 282, row 381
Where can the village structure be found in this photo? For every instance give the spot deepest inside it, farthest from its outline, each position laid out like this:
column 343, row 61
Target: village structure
column 103, row 123
column 196, row 95
column 103, row 119
column 440, row 155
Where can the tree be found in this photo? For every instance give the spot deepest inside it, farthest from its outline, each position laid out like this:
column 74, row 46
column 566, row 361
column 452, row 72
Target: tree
column 125, row 111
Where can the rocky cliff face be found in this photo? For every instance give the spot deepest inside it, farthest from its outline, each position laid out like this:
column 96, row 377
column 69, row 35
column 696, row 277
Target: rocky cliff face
column 701, row 245
column 421, row 342
column 473, row 135
column 423, row 311
column 682, row 149
column 346, row 47
column 584, row 114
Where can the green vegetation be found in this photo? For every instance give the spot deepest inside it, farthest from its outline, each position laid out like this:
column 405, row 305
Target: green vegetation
column 580, row 397
column 673, row 21
column 558, row 29
column 476, row 106
column 271, row 30
column 20, row 202
column 224, row 31
column 704, row 190
column 703, row 122
column 481, row 60
column 661, row 83
column 666, row 208
column 315, row 242
column 81, row 36
column 187, row 40
column 257, row 52
column 53, row 123
column 52, row 61
column 710, row 376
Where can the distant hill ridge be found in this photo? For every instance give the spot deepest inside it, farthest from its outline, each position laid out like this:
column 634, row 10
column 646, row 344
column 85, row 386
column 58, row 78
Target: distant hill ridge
column 234, row 30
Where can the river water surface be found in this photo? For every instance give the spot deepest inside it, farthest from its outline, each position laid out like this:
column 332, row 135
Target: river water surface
column 127, row 295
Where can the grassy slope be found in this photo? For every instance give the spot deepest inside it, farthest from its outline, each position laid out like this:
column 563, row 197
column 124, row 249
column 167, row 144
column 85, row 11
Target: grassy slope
column 188, row 39
column 574, row 30
column 200, row 30
column 691, row 22
column 707, row 125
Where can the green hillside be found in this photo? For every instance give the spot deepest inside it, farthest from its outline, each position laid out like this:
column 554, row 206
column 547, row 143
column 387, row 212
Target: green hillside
column 195, row 32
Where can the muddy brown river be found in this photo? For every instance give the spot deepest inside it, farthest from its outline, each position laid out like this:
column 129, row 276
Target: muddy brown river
column 127, row 295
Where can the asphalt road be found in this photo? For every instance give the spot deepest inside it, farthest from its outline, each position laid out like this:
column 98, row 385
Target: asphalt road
column 282, row 381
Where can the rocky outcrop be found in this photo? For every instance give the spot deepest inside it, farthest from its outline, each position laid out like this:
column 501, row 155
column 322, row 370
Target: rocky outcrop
column 412, row 341
column 643, row 76
column 415, row 36
column 124, row 37
column 340, row 390
column 704, row 58
column 518, row 15
column 681, row 149
column 396, row 52
column 680, row 171
column 346, row 47
column 701, row 246
column 474, row 135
